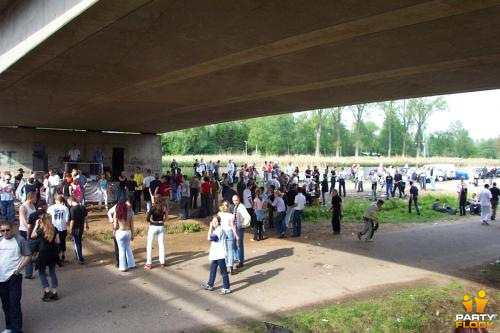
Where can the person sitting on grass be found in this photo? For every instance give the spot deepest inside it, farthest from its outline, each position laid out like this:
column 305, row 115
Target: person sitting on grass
column 436, row 205
column 217, row 256
column 369, row 218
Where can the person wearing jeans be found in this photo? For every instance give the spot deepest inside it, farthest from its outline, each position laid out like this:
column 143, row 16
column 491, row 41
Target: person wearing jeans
column 15, row 255
column 123, row 230
column 241, row 220
column 368, row 218
column 300, row 202
column 280, row 206
column 102, row 188
column 217, row 256
column 78, row 220
column 156, row 217
column 7, row 199
column 228, row 227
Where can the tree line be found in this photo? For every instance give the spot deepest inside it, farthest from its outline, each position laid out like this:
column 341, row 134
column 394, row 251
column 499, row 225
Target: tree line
column 324, row 132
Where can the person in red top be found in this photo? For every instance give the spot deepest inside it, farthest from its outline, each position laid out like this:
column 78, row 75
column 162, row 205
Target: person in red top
column 164, row 190
column 206, row 198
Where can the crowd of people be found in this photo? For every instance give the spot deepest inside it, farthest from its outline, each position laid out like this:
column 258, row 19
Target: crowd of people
column 238, row 198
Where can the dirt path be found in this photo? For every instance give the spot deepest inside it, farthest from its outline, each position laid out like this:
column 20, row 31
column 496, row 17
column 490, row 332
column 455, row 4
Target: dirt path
column 279, row 275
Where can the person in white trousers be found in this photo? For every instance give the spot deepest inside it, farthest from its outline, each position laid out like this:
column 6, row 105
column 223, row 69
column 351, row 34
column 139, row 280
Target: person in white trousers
column 157, row 216
column 485, row 201
column 102, row 187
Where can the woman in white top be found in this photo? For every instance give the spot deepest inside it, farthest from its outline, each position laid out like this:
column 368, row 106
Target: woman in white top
column 25, row 210
column 229, row 229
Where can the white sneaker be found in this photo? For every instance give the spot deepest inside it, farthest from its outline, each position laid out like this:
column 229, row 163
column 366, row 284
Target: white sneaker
column 224, row 291
column 6, row 331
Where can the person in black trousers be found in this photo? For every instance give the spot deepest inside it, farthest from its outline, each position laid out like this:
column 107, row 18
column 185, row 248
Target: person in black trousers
column 462, row 196
column 337, row 211
column 342, row 182
column 413, row 197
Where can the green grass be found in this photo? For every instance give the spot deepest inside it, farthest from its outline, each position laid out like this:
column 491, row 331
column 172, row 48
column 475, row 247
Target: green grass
column 411, row 310
column 393, row 211
column 184, row 228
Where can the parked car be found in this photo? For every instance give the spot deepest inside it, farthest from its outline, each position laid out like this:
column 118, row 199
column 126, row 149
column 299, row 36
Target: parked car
column 459, row 174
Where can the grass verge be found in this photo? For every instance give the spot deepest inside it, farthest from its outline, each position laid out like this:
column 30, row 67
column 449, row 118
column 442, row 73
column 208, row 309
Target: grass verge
column 411, row 310
column 393, row 211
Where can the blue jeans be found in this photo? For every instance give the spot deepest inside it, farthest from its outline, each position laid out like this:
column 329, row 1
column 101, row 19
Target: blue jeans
column 126, row 257
column 388, row 190
column 221, row 263
column 280, row 223
column 8, row 211
column 10, row 294
column 297, row 223
column 423, row 182
column 230, row 248
column 53, row 277
column 241, row 245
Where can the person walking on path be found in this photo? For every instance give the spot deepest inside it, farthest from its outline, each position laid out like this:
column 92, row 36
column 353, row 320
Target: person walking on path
column 15, row 256
column 413, row 198
column 462, row 195
column 485, row 201
column 369, row 218
column 157, row 216
column 494, row 200
column 48, row 255
column 217, row 256
column 337, row 212
column 242, row 221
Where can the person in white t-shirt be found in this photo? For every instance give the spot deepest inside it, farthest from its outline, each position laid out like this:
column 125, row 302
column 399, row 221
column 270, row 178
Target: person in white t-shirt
column 54, row 181
column 248, row 203
column 217, row 256
column 60, row 219
column 298, row 208
column 147, row 195
column 74, row 154
column 485, row 201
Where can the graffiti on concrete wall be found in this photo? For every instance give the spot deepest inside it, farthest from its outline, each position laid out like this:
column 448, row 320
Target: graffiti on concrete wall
column 6, row 158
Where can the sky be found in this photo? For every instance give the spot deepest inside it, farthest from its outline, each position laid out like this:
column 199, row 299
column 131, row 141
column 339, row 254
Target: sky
column 479, row 113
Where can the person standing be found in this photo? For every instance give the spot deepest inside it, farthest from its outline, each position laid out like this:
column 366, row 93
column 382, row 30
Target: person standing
column 374, row 181
column 206, row 200
column 324, row 189
column 289, row 198
column 139, row 180
column 48, row 237
column 258, row 206
column 185, row 197
column 217, row 256
column 7, row 199
column 157, row 216
column 15, row 256
column 60, row 218
column 78, row 221
column 54, row 183
column 229, row 228
column 413, row 198
column 494, row 200
column 337, row 212
column 342, row 177
column 122, row 187
column 241, row 220
column 123, row 231
column 81, row 180
column 333, row 180
column 279, row 204
column 298, row 208
column 360, row 176
column 249, row 204
column 102, row 188
column 389, row 190
column 462, row 195
column 485, row 201
column 194, row 189
column 432, row 176
column 25, row 210
column 398, row 184
column 146, row 182
column 131, row 186
column 369, row 218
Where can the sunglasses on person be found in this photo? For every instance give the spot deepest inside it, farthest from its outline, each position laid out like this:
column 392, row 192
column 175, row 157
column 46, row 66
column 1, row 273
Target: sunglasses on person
column 5, row 230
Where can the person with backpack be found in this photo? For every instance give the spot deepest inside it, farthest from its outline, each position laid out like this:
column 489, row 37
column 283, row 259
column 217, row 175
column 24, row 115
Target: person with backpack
column 15, row 256
column 157, row 216
column 241, row 219
column 48, row 255
column 217, row 256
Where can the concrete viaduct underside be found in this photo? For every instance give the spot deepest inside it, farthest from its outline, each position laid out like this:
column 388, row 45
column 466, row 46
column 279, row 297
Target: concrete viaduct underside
column 156, row 66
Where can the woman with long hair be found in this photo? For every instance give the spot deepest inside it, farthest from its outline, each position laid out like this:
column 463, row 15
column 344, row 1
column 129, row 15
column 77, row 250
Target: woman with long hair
column 157, row 216
column 48, row 256
column 229, row 229
column 123, row 231
column 258, row 206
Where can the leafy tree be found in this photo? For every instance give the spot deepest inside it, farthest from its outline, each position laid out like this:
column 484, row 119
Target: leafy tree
column 358, row 112
column 390, row 108
column 317, row 119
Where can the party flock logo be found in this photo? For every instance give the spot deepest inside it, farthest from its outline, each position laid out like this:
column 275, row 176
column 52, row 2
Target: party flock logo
column 479, row 319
